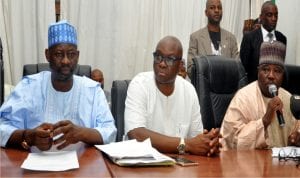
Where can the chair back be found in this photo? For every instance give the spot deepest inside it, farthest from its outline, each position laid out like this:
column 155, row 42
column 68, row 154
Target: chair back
column 216, row 79
column 81, row 70
column 118, row 97
column 291, row 82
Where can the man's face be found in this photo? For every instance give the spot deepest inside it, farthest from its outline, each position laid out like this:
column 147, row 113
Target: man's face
column 63, row 59
column 214, row 11
column 269, row 17
column 164, row 73
column 98, row 76
column 269, row 74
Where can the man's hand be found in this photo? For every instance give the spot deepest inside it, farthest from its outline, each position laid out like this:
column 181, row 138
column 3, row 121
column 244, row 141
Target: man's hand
column 206, row 144
column 41, row 136
column 294, row 137
column 274, row 105
column 70, row 133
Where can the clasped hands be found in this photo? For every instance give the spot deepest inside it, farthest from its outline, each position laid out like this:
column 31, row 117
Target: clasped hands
column 44, row 136
column 294, row 137
column 205, row 144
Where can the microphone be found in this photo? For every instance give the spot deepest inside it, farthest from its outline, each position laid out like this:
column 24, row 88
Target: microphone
column 295, row 106
column 273, row 92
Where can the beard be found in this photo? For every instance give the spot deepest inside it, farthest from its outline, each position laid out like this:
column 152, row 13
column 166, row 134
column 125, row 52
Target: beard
column 215, row 22
column 60, row 76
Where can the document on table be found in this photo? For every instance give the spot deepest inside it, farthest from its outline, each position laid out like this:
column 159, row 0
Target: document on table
column 51, row 161
column 133, row 153
column 290, row 151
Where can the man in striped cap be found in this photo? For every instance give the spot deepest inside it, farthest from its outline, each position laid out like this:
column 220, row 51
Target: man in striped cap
column 259, row 115
column 56, row 109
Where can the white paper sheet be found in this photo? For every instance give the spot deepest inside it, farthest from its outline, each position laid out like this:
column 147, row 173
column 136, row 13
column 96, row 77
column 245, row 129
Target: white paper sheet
column 133, row 153
column 51, row 161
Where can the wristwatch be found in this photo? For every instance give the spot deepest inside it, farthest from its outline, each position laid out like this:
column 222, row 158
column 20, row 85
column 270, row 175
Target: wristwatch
column 24, row 144
column 181, row 147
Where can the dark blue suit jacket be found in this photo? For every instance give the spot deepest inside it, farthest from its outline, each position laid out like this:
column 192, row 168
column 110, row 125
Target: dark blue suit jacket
column 250, row 48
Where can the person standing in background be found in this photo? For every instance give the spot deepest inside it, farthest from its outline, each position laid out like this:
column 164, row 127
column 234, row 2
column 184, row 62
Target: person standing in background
column 212, row 39
column 250, row 46
column 97, row 75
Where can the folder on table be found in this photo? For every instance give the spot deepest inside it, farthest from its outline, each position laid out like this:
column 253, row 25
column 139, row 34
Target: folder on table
column 134, row 153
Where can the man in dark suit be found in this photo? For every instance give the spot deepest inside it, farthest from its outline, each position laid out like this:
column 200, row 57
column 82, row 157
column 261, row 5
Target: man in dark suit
column 250, row 46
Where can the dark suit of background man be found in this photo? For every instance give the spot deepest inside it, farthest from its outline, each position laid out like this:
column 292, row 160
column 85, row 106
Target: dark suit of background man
column 251, row 42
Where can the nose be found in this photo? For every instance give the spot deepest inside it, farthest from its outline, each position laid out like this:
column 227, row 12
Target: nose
column 65, row 59
column 217, row 9
column 271, row 75
column 162, row 62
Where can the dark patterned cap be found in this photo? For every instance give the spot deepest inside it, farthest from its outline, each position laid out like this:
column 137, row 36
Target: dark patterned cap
column 61, row 32
column 272, row 53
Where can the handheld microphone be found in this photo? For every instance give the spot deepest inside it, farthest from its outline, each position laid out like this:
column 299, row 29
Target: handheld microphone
column 273, row 92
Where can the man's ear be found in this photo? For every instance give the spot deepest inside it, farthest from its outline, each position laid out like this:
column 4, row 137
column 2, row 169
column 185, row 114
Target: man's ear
column 47, row 54
column 180, row 66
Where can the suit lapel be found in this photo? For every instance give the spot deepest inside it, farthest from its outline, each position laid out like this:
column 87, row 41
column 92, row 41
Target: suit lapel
column 223, row 43
column 207, row 42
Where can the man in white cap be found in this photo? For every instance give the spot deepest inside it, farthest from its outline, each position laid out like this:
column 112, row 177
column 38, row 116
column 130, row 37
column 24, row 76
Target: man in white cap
column 54, row 104
column 251, row 118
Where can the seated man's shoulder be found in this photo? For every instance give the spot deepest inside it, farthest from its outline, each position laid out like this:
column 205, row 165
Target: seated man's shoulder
column 284, row 92
column 36, row 78
column 184, row 82
column 244, row 91
column 143, row 77
column 86, row 82
column 183, row 86
column 142, row 81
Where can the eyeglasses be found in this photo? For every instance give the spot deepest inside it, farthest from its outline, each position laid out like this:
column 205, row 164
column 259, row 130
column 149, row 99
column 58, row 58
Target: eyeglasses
column 169, row 60
column 292, row 155
column 60, row 55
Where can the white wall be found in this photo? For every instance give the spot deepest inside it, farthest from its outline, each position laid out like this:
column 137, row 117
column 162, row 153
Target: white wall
column 289, row 25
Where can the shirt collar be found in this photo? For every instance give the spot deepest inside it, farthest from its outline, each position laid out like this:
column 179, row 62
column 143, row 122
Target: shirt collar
column 265, row 34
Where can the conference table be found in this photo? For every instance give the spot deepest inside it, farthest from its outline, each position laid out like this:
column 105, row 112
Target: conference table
column 254, row 163
column 91, row 164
